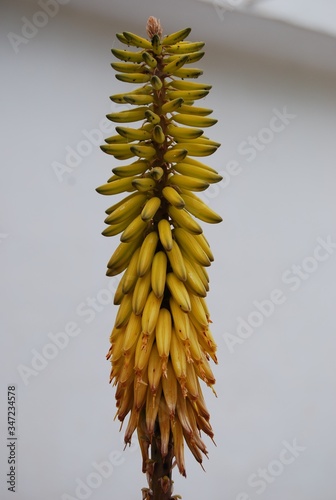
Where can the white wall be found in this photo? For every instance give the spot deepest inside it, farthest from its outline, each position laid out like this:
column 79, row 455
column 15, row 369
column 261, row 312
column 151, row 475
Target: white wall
column 319, row 16
column 278, row 384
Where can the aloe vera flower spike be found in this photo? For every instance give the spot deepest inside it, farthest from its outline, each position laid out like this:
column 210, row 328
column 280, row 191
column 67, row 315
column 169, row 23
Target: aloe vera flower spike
column 161, row 342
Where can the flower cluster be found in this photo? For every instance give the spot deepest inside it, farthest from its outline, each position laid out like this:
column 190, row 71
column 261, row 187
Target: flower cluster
column 161, row 343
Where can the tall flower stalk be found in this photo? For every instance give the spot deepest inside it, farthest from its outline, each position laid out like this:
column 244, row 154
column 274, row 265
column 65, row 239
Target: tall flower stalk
column 161, row 343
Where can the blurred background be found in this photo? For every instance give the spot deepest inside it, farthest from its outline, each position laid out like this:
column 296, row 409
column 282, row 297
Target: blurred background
column 272, row 65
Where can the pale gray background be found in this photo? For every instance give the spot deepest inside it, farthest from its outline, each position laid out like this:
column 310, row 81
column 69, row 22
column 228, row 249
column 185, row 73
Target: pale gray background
column 279, row 384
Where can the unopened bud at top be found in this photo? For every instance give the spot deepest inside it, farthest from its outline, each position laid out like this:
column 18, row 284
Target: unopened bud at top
column 153, row 27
